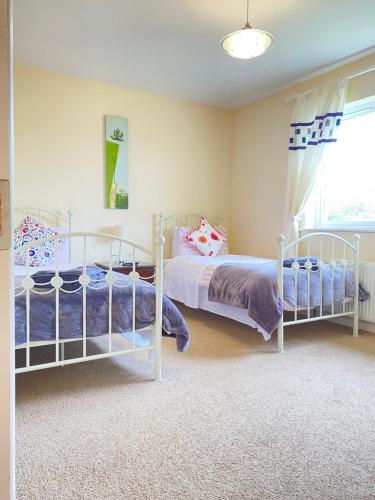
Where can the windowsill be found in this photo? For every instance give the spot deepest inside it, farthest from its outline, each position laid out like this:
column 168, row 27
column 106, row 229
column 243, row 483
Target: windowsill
column 340, row 229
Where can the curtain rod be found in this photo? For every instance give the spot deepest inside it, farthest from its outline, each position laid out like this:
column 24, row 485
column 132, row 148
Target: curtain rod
column 369, row 69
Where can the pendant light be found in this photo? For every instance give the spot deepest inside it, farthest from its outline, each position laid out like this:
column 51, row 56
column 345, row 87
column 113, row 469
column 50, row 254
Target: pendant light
column 248, row 42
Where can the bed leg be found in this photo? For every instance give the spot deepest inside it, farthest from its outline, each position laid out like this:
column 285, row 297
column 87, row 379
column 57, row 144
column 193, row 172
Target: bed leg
column 356, row 284
column 159, row 301
column 280, row 336
column 157, row 365
column 355, row 323
column 280, row 285
column 62, row 352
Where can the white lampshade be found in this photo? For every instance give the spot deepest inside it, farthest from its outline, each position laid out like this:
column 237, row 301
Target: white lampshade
column 247, row 43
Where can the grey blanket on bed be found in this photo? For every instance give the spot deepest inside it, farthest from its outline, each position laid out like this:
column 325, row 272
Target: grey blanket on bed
column 42, row 309
column 254, row 287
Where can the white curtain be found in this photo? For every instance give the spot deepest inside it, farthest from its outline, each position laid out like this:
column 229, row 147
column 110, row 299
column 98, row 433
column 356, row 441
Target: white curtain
column 316, row 118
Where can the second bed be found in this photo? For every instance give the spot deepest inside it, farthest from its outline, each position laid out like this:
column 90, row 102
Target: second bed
column 314, row 277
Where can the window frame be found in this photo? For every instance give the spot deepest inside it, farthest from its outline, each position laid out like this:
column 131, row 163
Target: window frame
column 351, row 110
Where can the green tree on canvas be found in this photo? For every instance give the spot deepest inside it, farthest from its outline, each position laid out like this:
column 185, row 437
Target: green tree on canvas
column 112, row 150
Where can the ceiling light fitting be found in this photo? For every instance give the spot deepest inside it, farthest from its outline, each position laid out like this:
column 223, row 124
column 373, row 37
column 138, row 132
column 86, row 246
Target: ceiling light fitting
column 248, row 42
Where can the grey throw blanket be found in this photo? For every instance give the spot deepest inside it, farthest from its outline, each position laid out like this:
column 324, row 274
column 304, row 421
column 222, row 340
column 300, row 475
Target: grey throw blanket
column 42, row 309
column 254, row 287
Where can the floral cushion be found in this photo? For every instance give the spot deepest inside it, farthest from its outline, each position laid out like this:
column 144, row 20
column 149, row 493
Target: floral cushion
column 182, row 246
column 28, row 230
column 207, row 239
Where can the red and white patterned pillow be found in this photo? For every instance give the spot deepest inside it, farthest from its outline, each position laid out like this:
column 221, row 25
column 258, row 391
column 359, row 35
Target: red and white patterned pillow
column 28, row 230
column 182, row 246
column 207, row 239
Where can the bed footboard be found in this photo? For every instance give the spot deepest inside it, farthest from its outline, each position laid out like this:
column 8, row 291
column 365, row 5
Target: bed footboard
column 78, row 294
column 324, row 265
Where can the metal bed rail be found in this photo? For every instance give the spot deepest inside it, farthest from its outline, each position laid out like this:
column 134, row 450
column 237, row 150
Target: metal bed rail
column 333, row 255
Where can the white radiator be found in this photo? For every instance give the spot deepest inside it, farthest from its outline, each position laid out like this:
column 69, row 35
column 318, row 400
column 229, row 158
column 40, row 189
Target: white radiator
column 367, row 278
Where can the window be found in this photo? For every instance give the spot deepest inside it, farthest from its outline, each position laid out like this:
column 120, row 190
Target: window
column 345, row 194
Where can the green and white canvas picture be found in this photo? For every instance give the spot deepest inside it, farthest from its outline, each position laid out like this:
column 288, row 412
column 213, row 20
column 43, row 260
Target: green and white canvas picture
column 116, row 159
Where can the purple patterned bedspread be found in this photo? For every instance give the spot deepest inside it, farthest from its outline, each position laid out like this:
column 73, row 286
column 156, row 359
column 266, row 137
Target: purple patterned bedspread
column 42, row 309
column 254, row 287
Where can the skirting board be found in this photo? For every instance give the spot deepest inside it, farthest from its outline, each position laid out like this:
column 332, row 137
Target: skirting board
column 363, row 325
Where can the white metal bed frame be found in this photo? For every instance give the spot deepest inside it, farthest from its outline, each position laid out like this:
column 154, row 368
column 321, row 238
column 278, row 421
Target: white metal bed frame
column 166, row 225
column 324, row 240
column 56, row 283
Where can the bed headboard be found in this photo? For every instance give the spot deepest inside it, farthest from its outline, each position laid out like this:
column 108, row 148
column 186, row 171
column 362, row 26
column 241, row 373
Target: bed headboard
column 54, row 219
column 165, row 224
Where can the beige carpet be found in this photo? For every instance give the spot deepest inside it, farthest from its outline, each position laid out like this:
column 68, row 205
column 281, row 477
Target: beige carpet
column 232, row 420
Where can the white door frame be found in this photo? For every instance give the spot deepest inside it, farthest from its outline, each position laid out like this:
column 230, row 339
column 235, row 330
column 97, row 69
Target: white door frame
column 7, row 400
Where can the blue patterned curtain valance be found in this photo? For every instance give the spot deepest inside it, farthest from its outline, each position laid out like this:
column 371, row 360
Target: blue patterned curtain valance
column 322, row 129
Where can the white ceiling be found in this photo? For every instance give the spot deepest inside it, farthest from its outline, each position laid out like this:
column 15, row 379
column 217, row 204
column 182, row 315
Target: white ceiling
column 171, row 47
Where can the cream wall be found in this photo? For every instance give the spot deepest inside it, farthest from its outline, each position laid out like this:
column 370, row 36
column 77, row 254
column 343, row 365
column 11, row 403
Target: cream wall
column 182, row 155
column 260, row 160
column 179, row 152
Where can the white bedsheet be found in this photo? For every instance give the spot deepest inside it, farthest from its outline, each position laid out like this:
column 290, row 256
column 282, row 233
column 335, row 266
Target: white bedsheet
column 187, row 278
